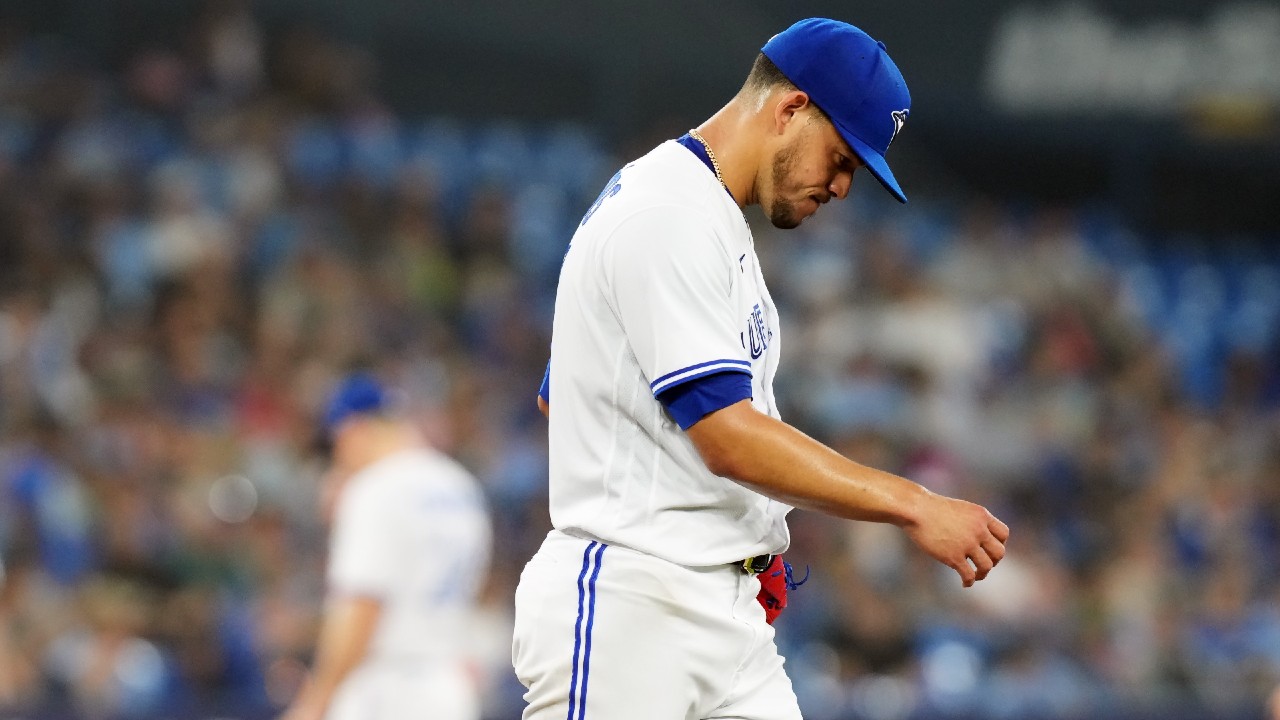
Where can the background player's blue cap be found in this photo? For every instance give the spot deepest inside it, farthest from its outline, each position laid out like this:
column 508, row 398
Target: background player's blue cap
column 851, row 78
column 357, row 393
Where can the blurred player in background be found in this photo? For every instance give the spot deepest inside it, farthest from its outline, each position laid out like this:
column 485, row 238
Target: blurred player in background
column 410, row 546
column 671, row 473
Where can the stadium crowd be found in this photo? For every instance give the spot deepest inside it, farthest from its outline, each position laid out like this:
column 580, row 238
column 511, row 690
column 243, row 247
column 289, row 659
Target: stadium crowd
column 194, row 246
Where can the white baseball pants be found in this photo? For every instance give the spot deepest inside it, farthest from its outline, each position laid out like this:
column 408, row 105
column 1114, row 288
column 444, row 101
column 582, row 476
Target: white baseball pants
column 607, row 633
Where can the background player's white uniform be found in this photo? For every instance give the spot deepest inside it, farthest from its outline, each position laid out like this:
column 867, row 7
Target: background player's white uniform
column 636, row 605
column 412, row 531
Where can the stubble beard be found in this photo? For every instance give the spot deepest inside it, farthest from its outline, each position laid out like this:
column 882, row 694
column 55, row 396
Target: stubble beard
column 783, row 213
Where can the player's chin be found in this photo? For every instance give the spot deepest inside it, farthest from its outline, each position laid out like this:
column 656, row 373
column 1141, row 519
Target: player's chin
column 787, row 215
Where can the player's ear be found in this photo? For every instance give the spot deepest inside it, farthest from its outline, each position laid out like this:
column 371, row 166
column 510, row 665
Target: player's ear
column 787, row 107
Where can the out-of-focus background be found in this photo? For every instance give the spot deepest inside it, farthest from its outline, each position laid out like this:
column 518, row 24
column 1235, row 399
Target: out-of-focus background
column 209, row 210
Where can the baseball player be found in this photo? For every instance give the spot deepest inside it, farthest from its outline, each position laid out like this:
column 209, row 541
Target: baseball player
column 671, row 474
column 410, row 545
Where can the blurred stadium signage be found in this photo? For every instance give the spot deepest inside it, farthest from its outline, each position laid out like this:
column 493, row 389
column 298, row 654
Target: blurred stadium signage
column 1073, row 59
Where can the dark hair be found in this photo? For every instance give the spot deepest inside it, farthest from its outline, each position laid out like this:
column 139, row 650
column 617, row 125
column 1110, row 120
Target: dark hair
column 765, row 75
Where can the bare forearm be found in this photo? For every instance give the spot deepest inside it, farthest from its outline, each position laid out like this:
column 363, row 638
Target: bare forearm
column 344, row 640
column 777, row 460
column 781, row 462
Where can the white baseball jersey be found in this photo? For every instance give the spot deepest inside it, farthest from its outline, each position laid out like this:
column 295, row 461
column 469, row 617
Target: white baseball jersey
column 660, row 286
column 412, row 531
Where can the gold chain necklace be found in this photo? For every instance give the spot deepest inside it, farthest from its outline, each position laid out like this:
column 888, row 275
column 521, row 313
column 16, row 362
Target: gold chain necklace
column 693, row 133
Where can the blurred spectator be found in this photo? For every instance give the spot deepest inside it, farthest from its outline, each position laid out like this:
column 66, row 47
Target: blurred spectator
column 103, row 665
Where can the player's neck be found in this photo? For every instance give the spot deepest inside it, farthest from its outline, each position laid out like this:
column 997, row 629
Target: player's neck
column 729, row 136
column 383, row 440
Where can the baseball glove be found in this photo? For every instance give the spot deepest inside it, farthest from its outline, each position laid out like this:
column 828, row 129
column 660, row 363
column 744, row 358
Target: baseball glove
column 775, row 582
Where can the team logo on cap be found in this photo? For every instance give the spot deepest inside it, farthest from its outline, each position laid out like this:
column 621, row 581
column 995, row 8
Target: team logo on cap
column 899, row 119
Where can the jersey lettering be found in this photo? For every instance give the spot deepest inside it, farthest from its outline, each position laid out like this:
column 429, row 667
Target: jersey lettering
column 758, row 331
column 613, row 188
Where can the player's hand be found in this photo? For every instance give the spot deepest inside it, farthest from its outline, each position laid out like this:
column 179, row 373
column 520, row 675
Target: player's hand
column 311, row 703
column 961, row 535
column 304, row 711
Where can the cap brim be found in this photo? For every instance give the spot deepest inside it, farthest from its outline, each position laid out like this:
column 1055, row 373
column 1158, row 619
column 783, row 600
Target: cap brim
column 875, row 162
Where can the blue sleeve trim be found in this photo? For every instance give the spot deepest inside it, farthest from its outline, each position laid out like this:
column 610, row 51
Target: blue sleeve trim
column 691, row 401
column 544, row 391
column 684, row 375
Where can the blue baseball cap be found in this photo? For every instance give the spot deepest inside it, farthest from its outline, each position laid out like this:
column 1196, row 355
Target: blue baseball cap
column 850, row 77
column 356, row 394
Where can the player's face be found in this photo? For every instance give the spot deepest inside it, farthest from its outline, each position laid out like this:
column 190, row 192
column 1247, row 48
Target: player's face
column 813, row 167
